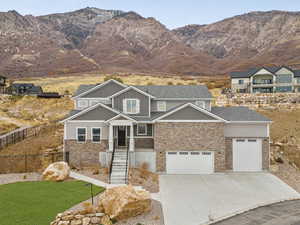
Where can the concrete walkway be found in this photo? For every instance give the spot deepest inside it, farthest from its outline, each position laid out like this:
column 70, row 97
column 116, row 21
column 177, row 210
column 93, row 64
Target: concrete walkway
column 283, row 213
column 99, row 183
column 203, row 199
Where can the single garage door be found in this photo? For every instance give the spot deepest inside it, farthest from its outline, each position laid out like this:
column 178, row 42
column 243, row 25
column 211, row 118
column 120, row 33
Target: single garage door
column 247, row 154
column 194, row 162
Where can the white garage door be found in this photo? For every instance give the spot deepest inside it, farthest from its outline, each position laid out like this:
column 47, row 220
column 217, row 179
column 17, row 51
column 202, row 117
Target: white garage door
column 195, row 162
column 247, row 154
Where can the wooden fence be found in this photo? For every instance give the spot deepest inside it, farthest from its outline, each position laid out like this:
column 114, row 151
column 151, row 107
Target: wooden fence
column 18, row 135
column 29, row 162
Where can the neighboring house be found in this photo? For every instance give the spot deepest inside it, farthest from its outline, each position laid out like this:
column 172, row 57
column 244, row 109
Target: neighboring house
column 2, row 84
column 25, row 89
column 266, row 80
column 175, row 129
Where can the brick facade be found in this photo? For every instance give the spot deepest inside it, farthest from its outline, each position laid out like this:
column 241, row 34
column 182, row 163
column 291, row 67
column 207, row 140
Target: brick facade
column 265, row 153
column 189, row 137
column 84, row 154
column 144, row 143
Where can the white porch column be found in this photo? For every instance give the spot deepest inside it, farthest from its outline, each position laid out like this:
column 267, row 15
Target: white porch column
column 111, row 138
column 131, row 139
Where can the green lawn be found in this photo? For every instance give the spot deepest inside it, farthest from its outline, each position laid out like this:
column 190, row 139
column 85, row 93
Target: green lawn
column 37, row 203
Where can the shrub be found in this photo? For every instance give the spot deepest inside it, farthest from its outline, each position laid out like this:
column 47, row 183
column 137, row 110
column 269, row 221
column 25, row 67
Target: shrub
column 170, row 83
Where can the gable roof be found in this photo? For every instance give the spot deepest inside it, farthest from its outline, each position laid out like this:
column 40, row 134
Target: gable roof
column 248, row 73
column 177, row 91
column 189, row 105
column 239, row 114
column 75, row 113
column 85, row 89
column 134, row 88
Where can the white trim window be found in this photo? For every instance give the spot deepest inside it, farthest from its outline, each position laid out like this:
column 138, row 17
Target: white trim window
column 200, row 104
column 83, row 103
column 142, row 129
column 81, row 134
column 131, row 106
column 96, row 134
column 161, row 106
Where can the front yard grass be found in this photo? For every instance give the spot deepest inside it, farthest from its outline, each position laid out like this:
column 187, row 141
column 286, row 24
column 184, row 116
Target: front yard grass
column 37, row 203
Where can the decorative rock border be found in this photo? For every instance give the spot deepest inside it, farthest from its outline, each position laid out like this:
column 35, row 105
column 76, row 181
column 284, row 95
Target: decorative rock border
column 76, row 218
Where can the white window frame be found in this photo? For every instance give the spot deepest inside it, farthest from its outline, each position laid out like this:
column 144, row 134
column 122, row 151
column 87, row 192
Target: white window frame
column 125, row 110
column 201, row 102
column 82, row 103
column 138, row 131
column 77, row 134
column 161, row 106
column 92, row 134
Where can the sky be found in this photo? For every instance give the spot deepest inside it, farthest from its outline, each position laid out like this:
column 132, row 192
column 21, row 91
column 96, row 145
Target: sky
column 172, row 13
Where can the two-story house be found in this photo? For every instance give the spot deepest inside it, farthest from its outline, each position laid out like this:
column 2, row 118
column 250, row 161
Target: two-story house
column 266, row 80
column 175, row 129
column 2, row 84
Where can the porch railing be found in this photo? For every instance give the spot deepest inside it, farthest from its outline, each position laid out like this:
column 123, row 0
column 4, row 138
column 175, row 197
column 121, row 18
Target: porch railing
column 127, row 163
column 112, row 159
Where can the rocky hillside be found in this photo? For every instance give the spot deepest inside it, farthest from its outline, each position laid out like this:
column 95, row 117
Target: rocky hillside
column 261, row 37
column 93, row 39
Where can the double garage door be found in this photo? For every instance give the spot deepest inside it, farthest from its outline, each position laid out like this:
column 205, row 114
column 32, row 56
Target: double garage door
column 190, row 162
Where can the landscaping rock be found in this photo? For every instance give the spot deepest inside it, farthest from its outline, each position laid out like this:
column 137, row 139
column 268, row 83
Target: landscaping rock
column 58, row 171
column 95, row 220
column 86, row 221
column 76, row 222
column 124, row 202
column 105, row 220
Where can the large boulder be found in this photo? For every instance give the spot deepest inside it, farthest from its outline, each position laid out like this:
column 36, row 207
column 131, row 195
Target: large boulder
column 124, row 202
column 58, row 171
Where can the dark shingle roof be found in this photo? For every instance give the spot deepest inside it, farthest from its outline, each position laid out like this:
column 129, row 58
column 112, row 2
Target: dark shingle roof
column 238, row 113
column 297, row 73
column 168, row 91
column 177, row 91
column 251, row 71
column 83, row 88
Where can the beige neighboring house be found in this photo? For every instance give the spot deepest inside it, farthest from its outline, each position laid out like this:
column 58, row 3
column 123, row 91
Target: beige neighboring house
column 174, row 129
column 266, row 80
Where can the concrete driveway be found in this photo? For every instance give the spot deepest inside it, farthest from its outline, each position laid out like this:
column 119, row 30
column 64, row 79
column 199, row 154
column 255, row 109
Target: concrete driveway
column 203, row 199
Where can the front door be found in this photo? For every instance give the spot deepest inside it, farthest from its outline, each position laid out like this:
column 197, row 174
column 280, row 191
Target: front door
column 122, row 136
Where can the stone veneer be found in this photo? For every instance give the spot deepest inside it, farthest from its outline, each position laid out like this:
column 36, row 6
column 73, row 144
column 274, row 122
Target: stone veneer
column 189, row 137
column 265, row 153
column 84, row 154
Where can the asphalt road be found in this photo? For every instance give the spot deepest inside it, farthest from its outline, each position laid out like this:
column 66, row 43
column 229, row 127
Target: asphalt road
column 284, row 213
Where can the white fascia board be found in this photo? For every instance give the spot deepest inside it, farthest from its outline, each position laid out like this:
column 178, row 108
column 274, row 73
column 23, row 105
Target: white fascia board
column 251, row 122
column 98, row 86
column 134, row 88
column 176, row 99
column 190, row 121
column 195, row 107
column 120, row 115
column 89, row 109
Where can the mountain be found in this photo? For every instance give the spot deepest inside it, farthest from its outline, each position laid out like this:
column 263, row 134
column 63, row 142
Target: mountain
column 257, row 37
column 130, row 41
column 92, row 39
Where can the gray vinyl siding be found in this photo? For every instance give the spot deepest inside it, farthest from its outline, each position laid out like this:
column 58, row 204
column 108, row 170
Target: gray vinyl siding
column 132, row 94
column 188, row 113
column 99, row 113
column 71, row 129
column 104, row 91
column 246, row 130
column 173, row 103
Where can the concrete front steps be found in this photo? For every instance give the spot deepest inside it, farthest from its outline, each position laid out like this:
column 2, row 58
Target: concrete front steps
column 119, row 167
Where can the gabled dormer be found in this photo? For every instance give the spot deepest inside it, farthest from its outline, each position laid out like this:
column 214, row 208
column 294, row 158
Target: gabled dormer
column 88, row 95
column 132, row 101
